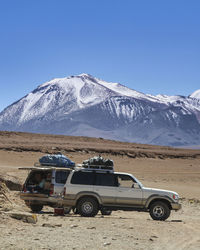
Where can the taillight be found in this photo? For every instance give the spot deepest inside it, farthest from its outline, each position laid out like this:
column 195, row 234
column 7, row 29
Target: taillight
column 24, row 189
column 51, row 189
column 64, row 191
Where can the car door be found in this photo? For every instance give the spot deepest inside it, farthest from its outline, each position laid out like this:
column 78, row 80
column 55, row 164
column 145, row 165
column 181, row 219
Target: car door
column 128, row 192
column 81, row 181
column 105, row 186
column 59, row 180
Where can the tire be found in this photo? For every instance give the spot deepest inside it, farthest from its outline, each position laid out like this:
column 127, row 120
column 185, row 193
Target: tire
column 87, row 207
column 36, row 208
column 105, row 211
column 159, row 211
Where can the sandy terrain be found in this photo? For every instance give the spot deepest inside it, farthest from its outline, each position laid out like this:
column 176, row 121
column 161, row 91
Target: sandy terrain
column 160, row 167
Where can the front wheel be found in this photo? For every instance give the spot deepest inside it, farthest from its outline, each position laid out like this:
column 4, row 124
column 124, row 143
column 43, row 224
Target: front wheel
column 87, row 207
column 159, row 211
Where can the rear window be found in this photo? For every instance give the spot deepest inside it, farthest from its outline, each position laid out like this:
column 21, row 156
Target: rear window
column 61, row 176
column 83, row 178
column 32, row 178
column 105, row 179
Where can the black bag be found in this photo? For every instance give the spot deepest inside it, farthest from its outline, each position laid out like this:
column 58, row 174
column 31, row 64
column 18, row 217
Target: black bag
column 98, row 161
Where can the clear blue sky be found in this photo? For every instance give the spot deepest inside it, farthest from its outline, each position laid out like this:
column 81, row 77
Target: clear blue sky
column 152, row 46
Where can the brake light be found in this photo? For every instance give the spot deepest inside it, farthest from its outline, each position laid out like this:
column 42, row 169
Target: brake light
column 51, row 189
column 64, row 191
column 24, row 189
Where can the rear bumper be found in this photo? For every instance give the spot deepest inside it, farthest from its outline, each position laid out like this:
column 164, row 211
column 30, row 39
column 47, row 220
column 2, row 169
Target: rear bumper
column 42, row 198
column 176, row 206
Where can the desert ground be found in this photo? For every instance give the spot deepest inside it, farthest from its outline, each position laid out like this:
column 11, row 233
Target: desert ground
column 154, row 166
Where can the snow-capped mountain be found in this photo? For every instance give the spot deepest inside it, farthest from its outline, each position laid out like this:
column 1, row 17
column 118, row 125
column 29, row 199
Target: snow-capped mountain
column 85, row 105
column 196, row 94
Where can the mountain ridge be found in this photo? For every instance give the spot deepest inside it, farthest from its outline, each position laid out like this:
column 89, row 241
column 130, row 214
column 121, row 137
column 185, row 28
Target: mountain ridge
column 86, row 105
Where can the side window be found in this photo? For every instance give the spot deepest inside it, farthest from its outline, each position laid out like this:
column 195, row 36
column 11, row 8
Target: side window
column 83, row 178
column 61, row 176
column 105, row 179
column 125, row 181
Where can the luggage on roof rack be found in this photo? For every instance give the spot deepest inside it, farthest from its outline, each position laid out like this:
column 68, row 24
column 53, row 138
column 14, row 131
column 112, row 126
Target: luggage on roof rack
column 98, row 163
column 55, row 160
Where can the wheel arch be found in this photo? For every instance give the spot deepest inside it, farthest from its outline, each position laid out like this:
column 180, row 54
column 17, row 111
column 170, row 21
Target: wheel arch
column 156, row 199
column 89, row 195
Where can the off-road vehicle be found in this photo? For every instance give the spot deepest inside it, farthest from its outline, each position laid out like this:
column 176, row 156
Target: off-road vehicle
column 91, row 190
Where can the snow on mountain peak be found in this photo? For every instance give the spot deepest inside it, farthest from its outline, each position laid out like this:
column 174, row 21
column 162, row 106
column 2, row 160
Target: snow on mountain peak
column 85, row 105
column 82, row 80
column 84, row 75
column 68, row 94
column 195, row 94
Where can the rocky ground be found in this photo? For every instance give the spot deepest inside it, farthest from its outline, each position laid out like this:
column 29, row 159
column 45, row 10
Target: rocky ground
column 120, row 230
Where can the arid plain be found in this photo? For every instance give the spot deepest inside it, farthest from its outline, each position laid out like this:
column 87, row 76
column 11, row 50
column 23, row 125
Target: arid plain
column 154, row 166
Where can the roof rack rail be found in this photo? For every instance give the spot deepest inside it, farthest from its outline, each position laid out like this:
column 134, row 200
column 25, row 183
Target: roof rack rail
column 96, row 167
column 49, row 165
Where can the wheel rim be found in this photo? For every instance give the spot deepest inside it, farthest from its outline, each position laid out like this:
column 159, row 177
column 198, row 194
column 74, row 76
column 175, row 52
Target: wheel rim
column 87, row 207
column 158, row 211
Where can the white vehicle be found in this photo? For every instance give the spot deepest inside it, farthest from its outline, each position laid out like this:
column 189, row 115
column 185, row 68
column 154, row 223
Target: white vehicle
column 90, row 190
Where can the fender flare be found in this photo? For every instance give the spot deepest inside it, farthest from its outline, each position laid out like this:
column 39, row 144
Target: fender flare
column 91, row 194
column 157, row 197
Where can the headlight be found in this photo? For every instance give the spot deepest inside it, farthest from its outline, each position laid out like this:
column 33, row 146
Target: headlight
column 175, row 196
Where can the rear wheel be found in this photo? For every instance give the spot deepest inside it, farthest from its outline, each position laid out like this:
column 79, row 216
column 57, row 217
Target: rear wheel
column 87, row 207
column 36, row 208
column 159, row 211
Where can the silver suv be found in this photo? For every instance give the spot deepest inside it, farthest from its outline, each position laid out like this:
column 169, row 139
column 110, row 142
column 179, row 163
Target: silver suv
column 89, row 191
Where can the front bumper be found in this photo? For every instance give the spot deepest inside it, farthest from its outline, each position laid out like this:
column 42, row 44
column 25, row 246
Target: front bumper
column 176, row 206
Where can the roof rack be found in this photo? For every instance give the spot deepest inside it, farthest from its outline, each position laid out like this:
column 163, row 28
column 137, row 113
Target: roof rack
column 49, row 165
column 96, row 167
column 44, row 168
